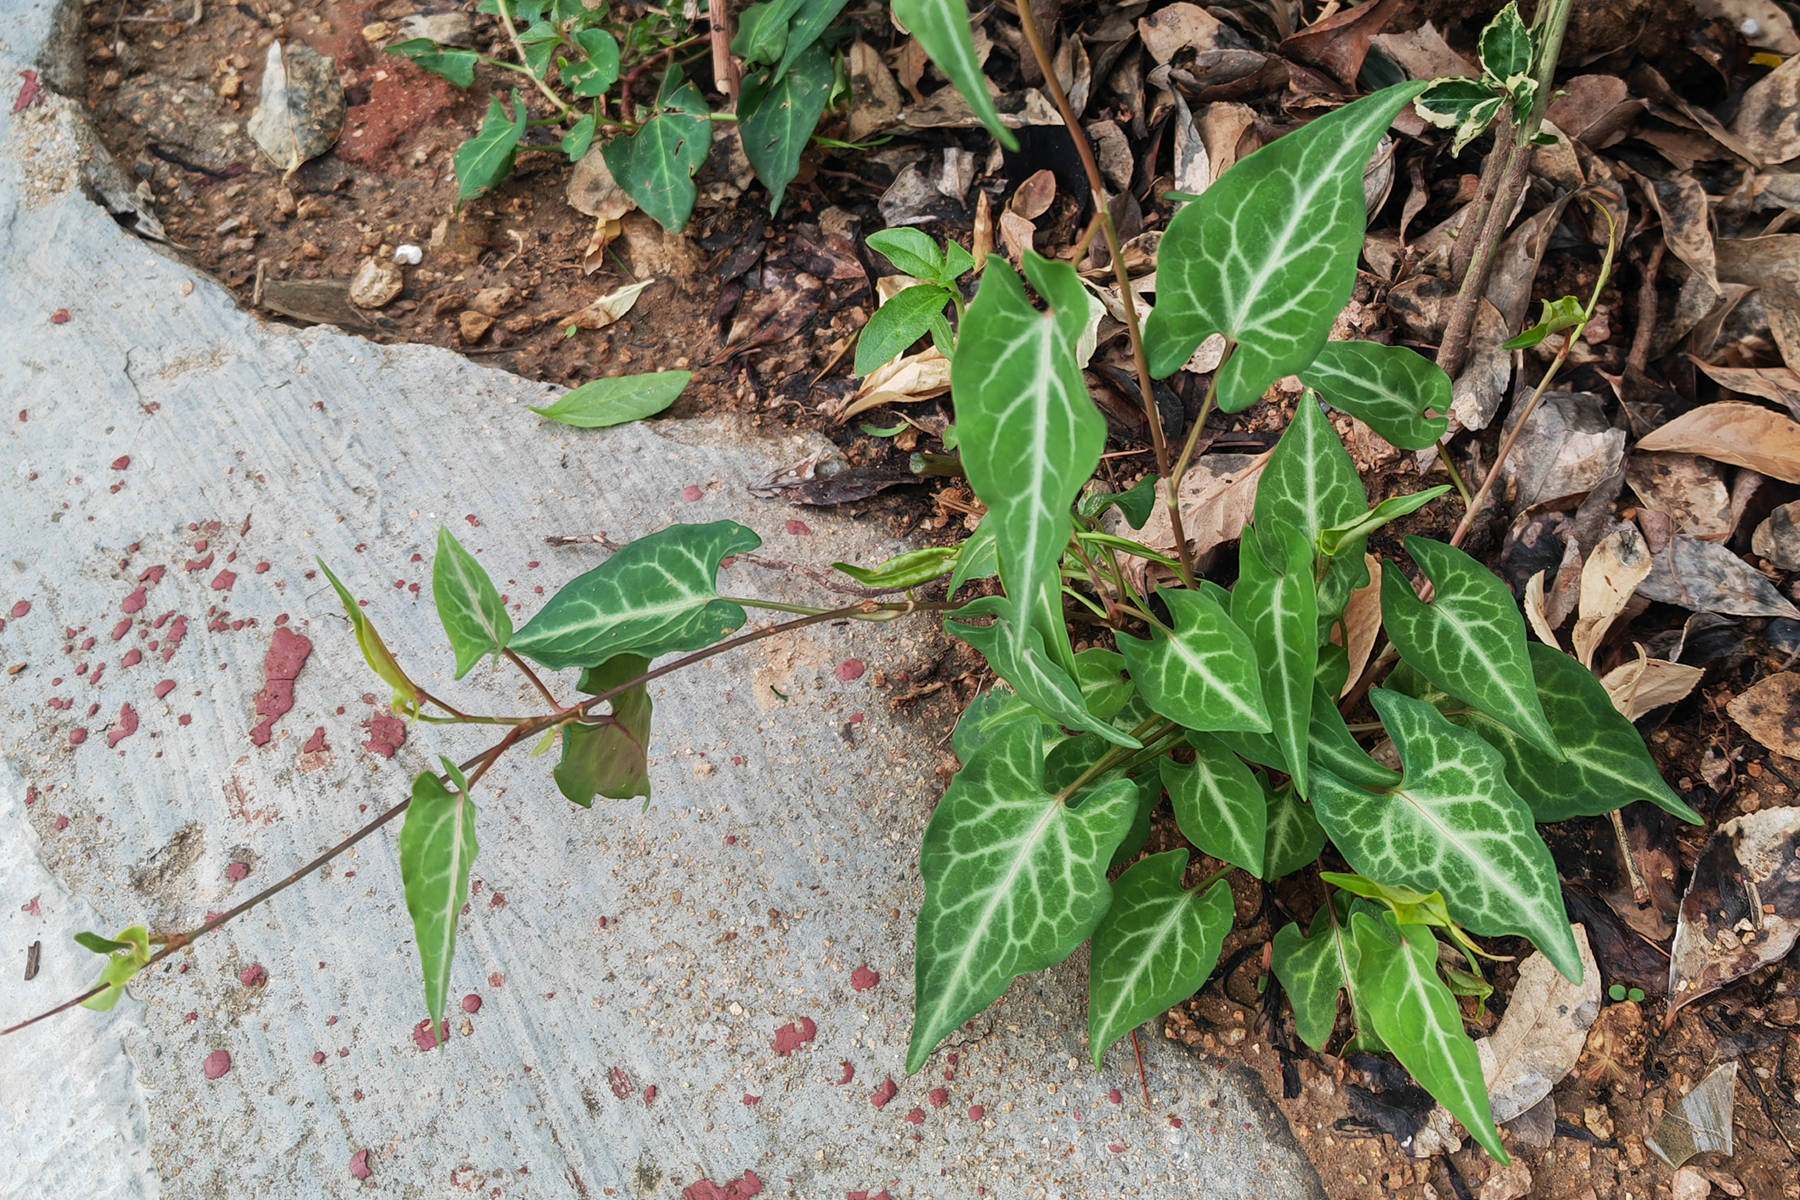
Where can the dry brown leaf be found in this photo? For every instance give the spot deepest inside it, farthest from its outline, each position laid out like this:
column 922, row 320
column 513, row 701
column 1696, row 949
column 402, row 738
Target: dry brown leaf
column 1594, row 109
column 1761, row 23
column 1034, row 195
column 1742, row 907
column 1338, row 43
column 1779, row 384
column 1768, row 118
column 1424, row 54
column 1534, row 611
column 877, row 102
column 1608, row 581
column 1648, row 684
column 1217, row 497
column 1362, row 622
column 1016, row 234
column 1540, row 1038
column 1228, row 130
column 1704, row 576
column 1777, row 538
column 1690, row 489
column 1169, row 31
column 608, row 308
column 1745, row 435
column 593, row 190
column 1771, row 265
column 1686, row 223
column 1769, row 711
column 907, row 379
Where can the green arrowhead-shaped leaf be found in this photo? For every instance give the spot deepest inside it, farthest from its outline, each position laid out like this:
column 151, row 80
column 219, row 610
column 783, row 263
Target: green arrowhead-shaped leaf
column 487, row 158
column 1295, row 836
column 1387, row 388
column 944, row 28
column 762, row 31
column 1267, row 255
column 1276, row 603
column 1605, row 764
column 1556, row 315
column 374, row 651
column 1310, row 483
column 597, row 69
column 1030, row 433
column 913, row 252
column 1201, row 672
column 898, row 324
column 811, row 19
column 609, row 757
column 977, row 558
column 1135, row 503
column 1219, row 805
column 656, row 164
column 468, row 604
column 580, row 137
column 658, row 595
column 1470, row 640
column 1015, row 879
column 1452, row 825
column 1506, row 47
column 987, row 716
column 1149, row 795
column 1100, row 673
column 1330, row 747
column 1156, row 946
column 1313, row 969
column 437, row 848
column 1350, row 538
column 776, row 120
column 458, row 66
column 1415, row 1014
column 1022, row 661
column 600, row 403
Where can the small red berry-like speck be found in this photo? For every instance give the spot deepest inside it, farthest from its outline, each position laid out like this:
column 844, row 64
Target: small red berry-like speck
column 977, row 1111
column 359, row 1165
column 851, row 669
column 916, row 1117
column 886, row 1092
column 217, row 1063
column 471, row 1003
column 692, row 493
column 864, row 978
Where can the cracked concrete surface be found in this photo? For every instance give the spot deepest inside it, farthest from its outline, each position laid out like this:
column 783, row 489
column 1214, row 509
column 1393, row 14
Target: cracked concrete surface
column 172, row 466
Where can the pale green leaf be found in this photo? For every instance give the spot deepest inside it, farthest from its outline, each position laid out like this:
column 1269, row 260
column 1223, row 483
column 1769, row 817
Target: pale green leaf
column 658, row 595
column 1388, row 388
column 468, row 604
column 127, row 954
column 899, row 323
column 1267, row 254
column 1309, row 483
column 600, row 403
column 1030, row 434
column 1219, row 805
column 1276, row 603
column 1100, row 673
column 1015, row 880
column 656, row 163
column 1295, row 836
column 912, row 251
column 1416, row 1015
column 487, row 158
column 1556, row 316
column 1352, row 536
column 1201, row 672
column 987, row 716
column 1156, row 946
column 1605, row 764
column 1470, row 640
column 437, row 848
column 777, row 120
column 610, row 756
column 905, row 570
column 944, row 29
column 1018, row 655
column 978, row 558
column 1453, row 825
column 374, row 651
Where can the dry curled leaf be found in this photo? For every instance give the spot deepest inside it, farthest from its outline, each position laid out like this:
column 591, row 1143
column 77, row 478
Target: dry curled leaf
column 1217, row 497
column 1778, row 384
column 1648, row 684
column 1745, row 435
column 604, row 310
column 1689, row 489
column 301, row 112
column 1704, row 576
column 1540, row 1038
column 1609, row 579
column 1742, row 907
column 1362, row 623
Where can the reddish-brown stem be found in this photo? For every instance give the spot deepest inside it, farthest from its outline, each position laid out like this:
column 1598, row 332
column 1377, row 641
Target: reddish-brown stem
column 536, row 682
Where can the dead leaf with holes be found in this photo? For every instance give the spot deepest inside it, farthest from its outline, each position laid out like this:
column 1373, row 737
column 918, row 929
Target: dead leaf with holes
column 1647, row 684
column 1742, row 907
column 301, row 111
column 1745, row 435
column 1609, row 580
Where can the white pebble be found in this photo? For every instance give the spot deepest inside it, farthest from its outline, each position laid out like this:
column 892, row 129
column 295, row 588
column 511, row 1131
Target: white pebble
column 408, row 255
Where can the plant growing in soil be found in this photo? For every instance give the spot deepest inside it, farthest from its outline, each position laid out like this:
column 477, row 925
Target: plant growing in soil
column 1231, row 702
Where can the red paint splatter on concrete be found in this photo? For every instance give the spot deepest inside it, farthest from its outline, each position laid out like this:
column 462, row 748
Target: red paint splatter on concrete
column 223, row 580
column 135, row 601
column 387, row 733
column 198, row 564
column 851, row 669
column 61, row 315
column 496, row 979
column 281, row 666
column 121, row 463
column 916, row 1117
column 425, row 1038
column 77, row 736
column 1115, row 1147
column 62, row 823
column 318, row 1057
column 1115, row 1096
column 620, row 1082
column 121, row 629
column 124, row 727
column 887, row 1091
column 881, row 1195
column 799, row 529
column 1175, row 1122
column 691, row 493
column 237, row 872
column 939, row 1097
column 164, row 687
column 153, row 574
column 863, row 978
column 359, row 1165
column 751, row 1101
column 29, row 91
column 20, row 609
column 793, row 1035
column 316, row 743
column 32, row 908
column 471, row 1003
column 132, row 658
column 977, row 1111
column 741, row 1188
column 217, row 1063
column 171, row 641
column 253, row 975
column 650, row 1095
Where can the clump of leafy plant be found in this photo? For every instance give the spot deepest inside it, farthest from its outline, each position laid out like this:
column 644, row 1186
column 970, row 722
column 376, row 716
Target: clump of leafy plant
column 1228, row 701
column 586, row 62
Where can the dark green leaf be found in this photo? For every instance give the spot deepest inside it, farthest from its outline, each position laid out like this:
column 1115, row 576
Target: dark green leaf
column 609, row 757
column 437, row 848
column 763, row 32
column 468, row 604
column 1100, row 673
column 576, row 142
column 1023, row 662
column 899, row 323
column 656, row 164
column 978, row 558
column 1015, row 880
column 1219, row 805
column 1387, row 388
column 1267, row 255
column 987, row 716
column 1155, row 947
column 1467, row 106
column 1135, row 503
column 1330, row 747
column 1555, row 317
column 912, row 251
column 1295, row 836
column 945, row 30
column 540, row 41
column 1276, row 603
column 1201, row 672
column 810, row 21
column 598, row 69
column 1470, row 640
column 1150, row 793
column 1314, row 968
column 487, row 158
column 658, row 595
column 614, row 401
column 458, row 66
column 775, row 121
column 1506, row 47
